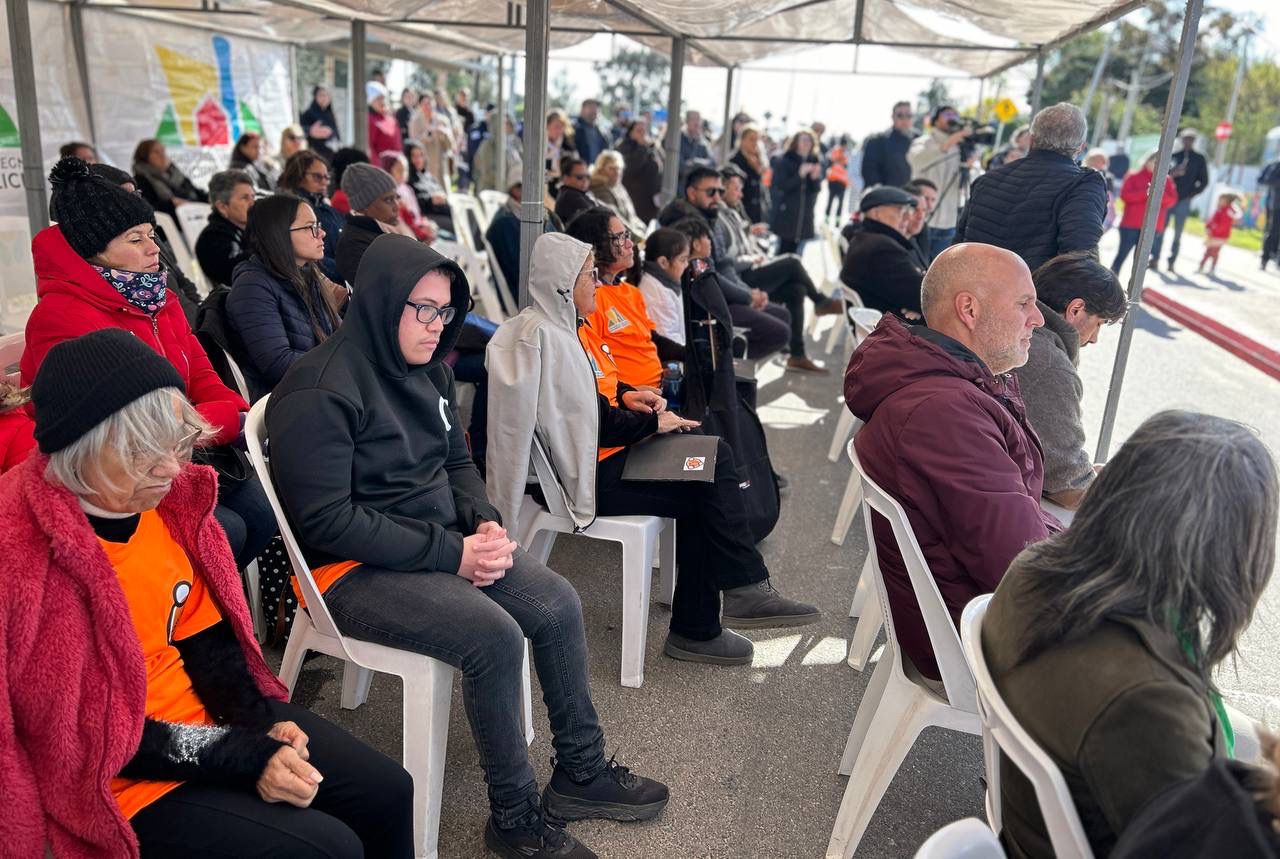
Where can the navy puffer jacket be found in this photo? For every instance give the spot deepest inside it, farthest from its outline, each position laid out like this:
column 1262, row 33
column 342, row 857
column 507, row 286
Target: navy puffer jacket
column 1038, row 207
column 272, row 322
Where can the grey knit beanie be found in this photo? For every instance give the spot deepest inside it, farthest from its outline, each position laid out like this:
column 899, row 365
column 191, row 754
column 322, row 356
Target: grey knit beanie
column 364, row 184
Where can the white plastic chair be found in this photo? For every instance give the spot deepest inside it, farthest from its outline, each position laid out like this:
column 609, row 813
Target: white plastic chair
column 859, row 322
column 427, row 682
column 506, row 294
column 1002, row 733
column 897, row 704
column 492, row 201
column 964, row 839
column 242, row 387
column 638, row 536
column 192, row 217
column 11, row 349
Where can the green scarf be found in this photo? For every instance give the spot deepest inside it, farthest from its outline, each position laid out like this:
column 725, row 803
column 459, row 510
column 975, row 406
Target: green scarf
column 1215, row 701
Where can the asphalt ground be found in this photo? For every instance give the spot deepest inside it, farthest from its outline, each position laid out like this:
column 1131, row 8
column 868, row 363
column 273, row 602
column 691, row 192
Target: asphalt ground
column 750, row 753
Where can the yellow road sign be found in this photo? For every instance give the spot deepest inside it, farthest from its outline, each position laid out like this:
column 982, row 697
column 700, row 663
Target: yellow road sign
column 1006, row 109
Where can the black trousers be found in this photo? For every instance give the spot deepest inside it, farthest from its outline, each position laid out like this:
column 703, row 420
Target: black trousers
column 767, row 330
column 364, row 807
column 835, row 195
column 1271, row 243
column 714, row 551
column 788, row 283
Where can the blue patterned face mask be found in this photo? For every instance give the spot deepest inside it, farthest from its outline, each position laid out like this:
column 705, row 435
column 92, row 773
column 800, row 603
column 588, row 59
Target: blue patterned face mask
column 145, row 290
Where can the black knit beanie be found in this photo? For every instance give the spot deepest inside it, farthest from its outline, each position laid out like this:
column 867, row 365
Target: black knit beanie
column 84, row 381
column 91, row 210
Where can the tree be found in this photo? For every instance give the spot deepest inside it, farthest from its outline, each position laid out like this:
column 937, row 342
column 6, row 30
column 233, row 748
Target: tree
column 561, row 91
column 936, row 95
column 633, row 79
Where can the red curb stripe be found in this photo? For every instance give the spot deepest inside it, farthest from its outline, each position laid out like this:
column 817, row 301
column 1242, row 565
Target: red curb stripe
column 1242, row 346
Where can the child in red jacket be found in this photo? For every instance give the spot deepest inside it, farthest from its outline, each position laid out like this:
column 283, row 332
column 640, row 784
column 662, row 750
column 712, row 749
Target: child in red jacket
column 1218, row 229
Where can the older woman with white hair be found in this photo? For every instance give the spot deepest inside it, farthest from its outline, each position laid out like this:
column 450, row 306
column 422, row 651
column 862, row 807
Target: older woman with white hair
column 607, row 188
column 140, row 715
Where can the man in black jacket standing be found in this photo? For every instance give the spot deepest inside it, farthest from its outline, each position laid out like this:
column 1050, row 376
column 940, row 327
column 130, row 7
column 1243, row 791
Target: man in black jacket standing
column 880, row 264
column 1190, row 174
column 1044, row 204
column 884, row 155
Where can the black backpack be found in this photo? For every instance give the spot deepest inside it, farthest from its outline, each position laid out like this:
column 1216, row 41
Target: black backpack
column 723, row 401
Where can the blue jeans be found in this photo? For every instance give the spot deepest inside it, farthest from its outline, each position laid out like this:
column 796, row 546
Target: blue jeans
column 940, row 238
column 1178, row 213
column 1128, row 241
column 481, row 631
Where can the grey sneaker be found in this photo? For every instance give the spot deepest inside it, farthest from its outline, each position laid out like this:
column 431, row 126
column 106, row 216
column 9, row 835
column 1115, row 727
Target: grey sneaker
column 759, row 605
column 727, row 648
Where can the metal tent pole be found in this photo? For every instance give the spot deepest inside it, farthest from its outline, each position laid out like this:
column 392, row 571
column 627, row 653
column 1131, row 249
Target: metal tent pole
column 1098, row 69
column 24, row 84
column 500, row 133
column 1172, row 111
column 1038, row 89
column 355, row 78
column 1220, row 151
column 82, row 65
column 726, row 145
column 537, row 39
column 671, row 167
column 980, row 114
column 1103, row 119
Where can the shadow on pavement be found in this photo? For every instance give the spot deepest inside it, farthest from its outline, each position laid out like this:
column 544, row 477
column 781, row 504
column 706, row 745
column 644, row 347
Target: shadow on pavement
column 1156, row 325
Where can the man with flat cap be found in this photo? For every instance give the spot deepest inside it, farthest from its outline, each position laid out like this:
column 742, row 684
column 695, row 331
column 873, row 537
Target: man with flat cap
column 1190, row 174
column 879, row 264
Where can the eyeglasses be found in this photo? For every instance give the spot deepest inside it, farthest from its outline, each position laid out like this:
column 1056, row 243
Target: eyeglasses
column 319, row 177
column 579, row 177
column 897, row 115
column 428, row 313
column 619, row 239
column 314, row 227
column 714, row 191
column 595, row 275
column 182, row 451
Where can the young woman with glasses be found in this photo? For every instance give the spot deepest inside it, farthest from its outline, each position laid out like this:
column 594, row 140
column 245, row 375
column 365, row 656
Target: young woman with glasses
column 281, row 305
column 307, row 176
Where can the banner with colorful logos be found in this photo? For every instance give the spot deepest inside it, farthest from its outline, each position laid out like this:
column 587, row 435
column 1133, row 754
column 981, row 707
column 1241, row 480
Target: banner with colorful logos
column 196, row 91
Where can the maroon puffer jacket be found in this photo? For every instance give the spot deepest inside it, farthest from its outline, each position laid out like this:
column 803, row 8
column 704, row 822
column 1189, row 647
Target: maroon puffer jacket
column 951, row 443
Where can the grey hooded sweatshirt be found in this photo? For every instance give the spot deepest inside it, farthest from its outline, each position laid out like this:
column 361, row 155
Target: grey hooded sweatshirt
column 540, row 377
column 367, row 450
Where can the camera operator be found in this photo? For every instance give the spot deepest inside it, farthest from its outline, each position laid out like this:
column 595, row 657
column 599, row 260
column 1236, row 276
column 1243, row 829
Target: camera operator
column 1045, row 204
column 938, row 156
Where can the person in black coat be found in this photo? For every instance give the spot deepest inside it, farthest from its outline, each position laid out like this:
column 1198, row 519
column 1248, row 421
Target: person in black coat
column 221, row 245
column 320, row 126
column 747, row 158
column 281, row 306
column 1042, row 205
column 884, row 155
column 1190, row 175
column 881, row 265
column 642, row 171
column 573, row 198
column 797, row 179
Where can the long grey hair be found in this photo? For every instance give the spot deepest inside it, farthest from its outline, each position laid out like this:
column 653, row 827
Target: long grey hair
column 1179, row 530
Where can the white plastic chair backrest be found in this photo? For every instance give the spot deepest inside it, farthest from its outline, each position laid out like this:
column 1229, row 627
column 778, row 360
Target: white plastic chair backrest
column 956, row 677
column 242, row 387
column 255, row 433
column 467, row 215
column 11, row 348
column 862, row 321
column 1000, row 729
column 964, row 839
column 181, row 252
column 492, row 202
column 192, row 217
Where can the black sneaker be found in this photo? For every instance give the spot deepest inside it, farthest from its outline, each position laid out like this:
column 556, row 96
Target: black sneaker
column 539, row 840
column 615, row 793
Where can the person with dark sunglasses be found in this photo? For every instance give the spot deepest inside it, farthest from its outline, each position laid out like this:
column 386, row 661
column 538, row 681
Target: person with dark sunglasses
column 884, row 155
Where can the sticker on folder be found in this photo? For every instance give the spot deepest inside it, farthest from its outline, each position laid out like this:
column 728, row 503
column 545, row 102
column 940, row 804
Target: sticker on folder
column 672, row 456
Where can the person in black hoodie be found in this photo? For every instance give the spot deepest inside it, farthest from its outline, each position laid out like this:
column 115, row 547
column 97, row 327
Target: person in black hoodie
column 372, row 467
column 881, row 264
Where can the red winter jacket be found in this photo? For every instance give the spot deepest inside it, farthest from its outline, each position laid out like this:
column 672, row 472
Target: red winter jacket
column 73, row 299
column 73, row 685
column 1134, row 193
column 384, row 135
column 16, row 438
column 951, row 443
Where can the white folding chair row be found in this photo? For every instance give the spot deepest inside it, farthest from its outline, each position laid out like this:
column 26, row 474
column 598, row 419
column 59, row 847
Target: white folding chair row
column 492, row 201
column 638, row 535
column 897, row 704
column 427, row 682
column 1002, row 733
column 964, row 839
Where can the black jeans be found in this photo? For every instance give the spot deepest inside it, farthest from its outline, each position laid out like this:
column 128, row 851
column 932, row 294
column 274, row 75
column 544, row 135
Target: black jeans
column 768, row 330
column 481, row 631
column 714, row 551
column 788, row 283
column 1271, row 244
column 835, row 194
column 245, row 514
column 364, row 807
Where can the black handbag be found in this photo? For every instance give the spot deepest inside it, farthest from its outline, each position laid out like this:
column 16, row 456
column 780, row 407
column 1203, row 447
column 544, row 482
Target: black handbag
column 231, row 463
